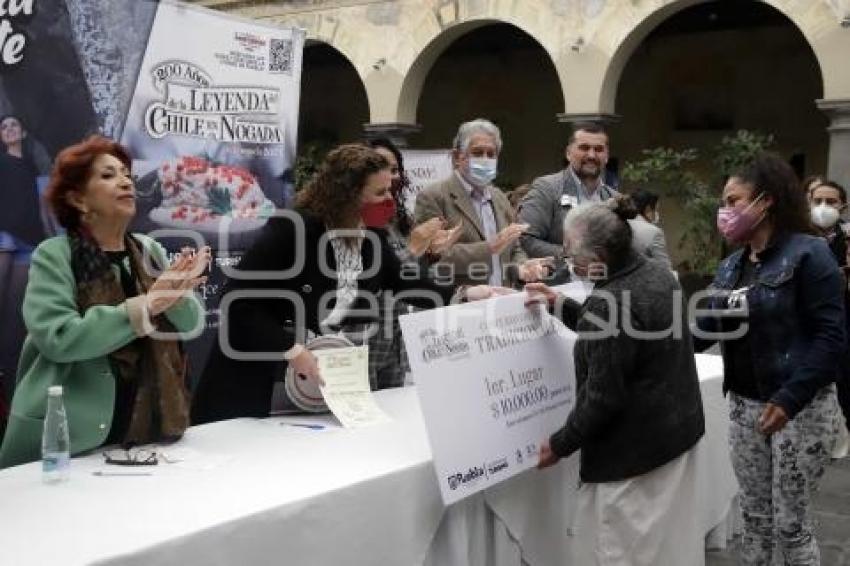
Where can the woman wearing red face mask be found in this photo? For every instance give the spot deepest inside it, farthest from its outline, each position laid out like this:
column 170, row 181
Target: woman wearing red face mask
column 316, row 270
column 400, row 225
column 777, row 307
column 387, row 356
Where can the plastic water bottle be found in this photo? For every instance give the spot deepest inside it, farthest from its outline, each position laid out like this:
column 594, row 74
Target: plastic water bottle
column 55, row 444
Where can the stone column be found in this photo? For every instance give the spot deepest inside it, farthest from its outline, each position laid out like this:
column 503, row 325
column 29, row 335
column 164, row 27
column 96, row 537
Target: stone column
column 397, row 133
column 838, row 166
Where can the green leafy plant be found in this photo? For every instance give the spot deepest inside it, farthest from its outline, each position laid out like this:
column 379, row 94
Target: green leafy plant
column 736, row 151
column 308, row 161
column 675, row 173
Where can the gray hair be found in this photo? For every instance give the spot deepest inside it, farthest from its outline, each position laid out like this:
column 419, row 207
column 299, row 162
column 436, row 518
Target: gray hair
column 477, row 127
column 596, row 230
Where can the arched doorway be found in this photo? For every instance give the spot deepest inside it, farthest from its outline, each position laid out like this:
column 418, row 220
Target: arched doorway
column 712, row 69
column 333, row 105
column 501, row 73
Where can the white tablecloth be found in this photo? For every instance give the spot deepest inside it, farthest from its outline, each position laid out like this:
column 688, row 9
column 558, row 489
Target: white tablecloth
column 256, row 492
column 527, row 519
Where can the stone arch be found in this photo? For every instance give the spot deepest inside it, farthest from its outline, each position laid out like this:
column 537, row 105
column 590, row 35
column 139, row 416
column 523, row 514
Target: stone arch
column 330, row 115
column 806, row 23
column 709, row 70
column 430, row 51
column 499, row 72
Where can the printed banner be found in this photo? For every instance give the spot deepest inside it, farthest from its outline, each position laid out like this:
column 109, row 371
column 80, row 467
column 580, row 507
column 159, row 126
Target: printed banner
column 212, row 128
column 494, row 379
column 206, row 102
column 424, row 167
column 213, row 121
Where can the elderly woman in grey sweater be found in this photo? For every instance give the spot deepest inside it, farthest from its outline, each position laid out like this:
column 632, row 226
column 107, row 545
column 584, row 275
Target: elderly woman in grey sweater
column 638, row 411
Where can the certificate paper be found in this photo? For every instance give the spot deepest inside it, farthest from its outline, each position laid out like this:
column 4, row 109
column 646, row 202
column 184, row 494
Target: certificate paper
column 345, row 372
column 494, row 379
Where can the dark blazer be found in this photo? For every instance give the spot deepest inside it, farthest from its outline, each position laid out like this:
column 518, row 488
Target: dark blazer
column 544, row 209
column 638, row 403
column 231, row 388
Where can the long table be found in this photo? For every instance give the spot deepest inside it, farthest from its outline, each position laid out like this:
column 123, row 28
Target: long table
column 256, row 492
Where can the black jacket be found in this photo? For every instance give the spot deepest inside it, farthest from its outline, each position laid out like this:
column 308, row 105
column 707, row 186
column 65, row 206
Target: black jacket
column 304, row 282
column 638, row 403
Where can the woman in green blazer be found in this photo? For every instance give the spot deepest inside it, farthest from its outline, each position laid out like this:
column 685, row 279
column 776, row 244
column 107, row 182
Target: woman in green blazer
column 99, row 322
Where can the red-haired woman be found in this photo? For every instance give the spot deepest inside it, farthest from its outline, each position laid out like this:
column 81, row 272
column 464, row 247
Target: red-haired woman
column 99, row 322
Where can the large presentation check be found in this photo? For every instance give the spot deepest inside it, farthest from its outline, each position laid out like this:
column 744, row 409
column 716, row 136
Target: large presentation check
column 494, row 378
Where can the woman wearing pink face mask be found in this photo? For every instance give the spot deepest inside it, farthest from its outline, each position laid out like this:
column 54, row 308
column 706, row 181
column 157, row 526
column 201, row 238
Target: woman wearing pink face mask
column 777, row 308
column 320, row 268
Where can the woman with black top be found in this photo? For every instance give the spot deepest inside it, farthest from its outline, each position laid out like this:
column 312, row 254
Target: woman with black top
column 777, row 307
column 387, row 357
column 828, row 200
column 319, row 270
column 21, row 162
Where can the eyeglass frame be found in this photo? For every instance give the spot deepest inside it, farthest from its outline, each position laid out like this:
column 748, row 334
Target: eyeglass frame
column 133, row 457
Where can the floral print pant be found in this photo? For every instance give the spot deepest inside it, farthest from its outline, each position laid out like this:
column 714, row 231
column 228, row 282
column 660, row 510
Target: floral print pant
column 778, row 474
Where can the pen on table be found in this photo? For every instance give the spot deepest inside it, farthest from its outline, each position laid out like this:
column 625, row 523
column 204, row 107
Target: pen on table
column 106, row 474
column 305, row 425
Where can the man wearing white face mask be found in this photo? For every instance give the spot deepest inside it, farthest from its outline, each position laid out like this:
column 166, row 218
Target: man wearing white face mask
column 488, row 251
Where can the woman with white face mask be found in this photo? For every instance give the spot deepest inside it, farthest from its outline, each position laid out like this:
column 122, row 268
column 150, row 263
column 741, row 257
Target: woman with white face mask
column 828, row 200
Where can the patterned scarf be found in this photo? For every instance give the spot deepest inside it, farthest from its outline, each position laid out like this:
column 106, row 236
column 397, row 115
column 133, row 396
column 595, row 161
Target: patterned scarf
column 157, row 368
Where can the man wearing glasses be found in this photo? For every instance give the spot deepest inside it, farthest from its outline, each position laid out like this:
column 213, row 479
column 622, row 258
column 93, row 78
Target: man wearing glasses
column 551, row 196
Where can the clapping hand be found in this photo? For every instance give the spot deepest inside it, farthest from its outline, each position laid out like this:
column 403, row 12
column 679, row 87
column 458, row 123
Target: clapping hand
column 536, row 269
column 422, row 235
column 506, row 237
column 178, row 280
column 444, row 239
column 433, row 237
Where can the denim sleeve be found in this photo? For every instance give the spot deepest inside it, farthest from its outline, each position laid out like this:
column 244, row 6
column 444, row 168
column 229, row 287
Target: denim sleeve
column 821, row 307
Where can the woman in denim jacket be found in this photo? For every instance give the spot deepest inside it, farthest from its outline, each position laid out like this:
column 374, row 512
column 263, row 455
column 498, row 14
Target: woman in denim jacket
column 777, row 306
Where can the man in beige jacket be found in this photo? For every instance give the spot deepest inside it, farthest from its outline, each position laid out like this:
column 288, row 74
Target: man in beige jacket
column 488, row 252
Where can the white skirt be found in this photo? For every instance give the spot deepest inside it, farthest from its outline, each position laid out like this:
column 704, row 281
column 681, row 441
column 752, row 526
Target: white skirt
column 648, row 520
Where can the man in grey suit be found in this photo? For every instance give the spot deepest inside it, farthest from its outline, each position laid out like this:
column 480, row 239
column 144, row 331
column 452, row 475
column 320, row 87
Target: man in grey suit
column 488, row 250
column 647, row 237
column 551, row 196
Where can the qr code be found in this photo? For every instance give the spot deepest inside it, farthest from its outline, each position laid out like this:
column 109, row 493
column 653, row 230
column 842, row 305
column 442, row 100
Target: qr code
column 280, row 56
